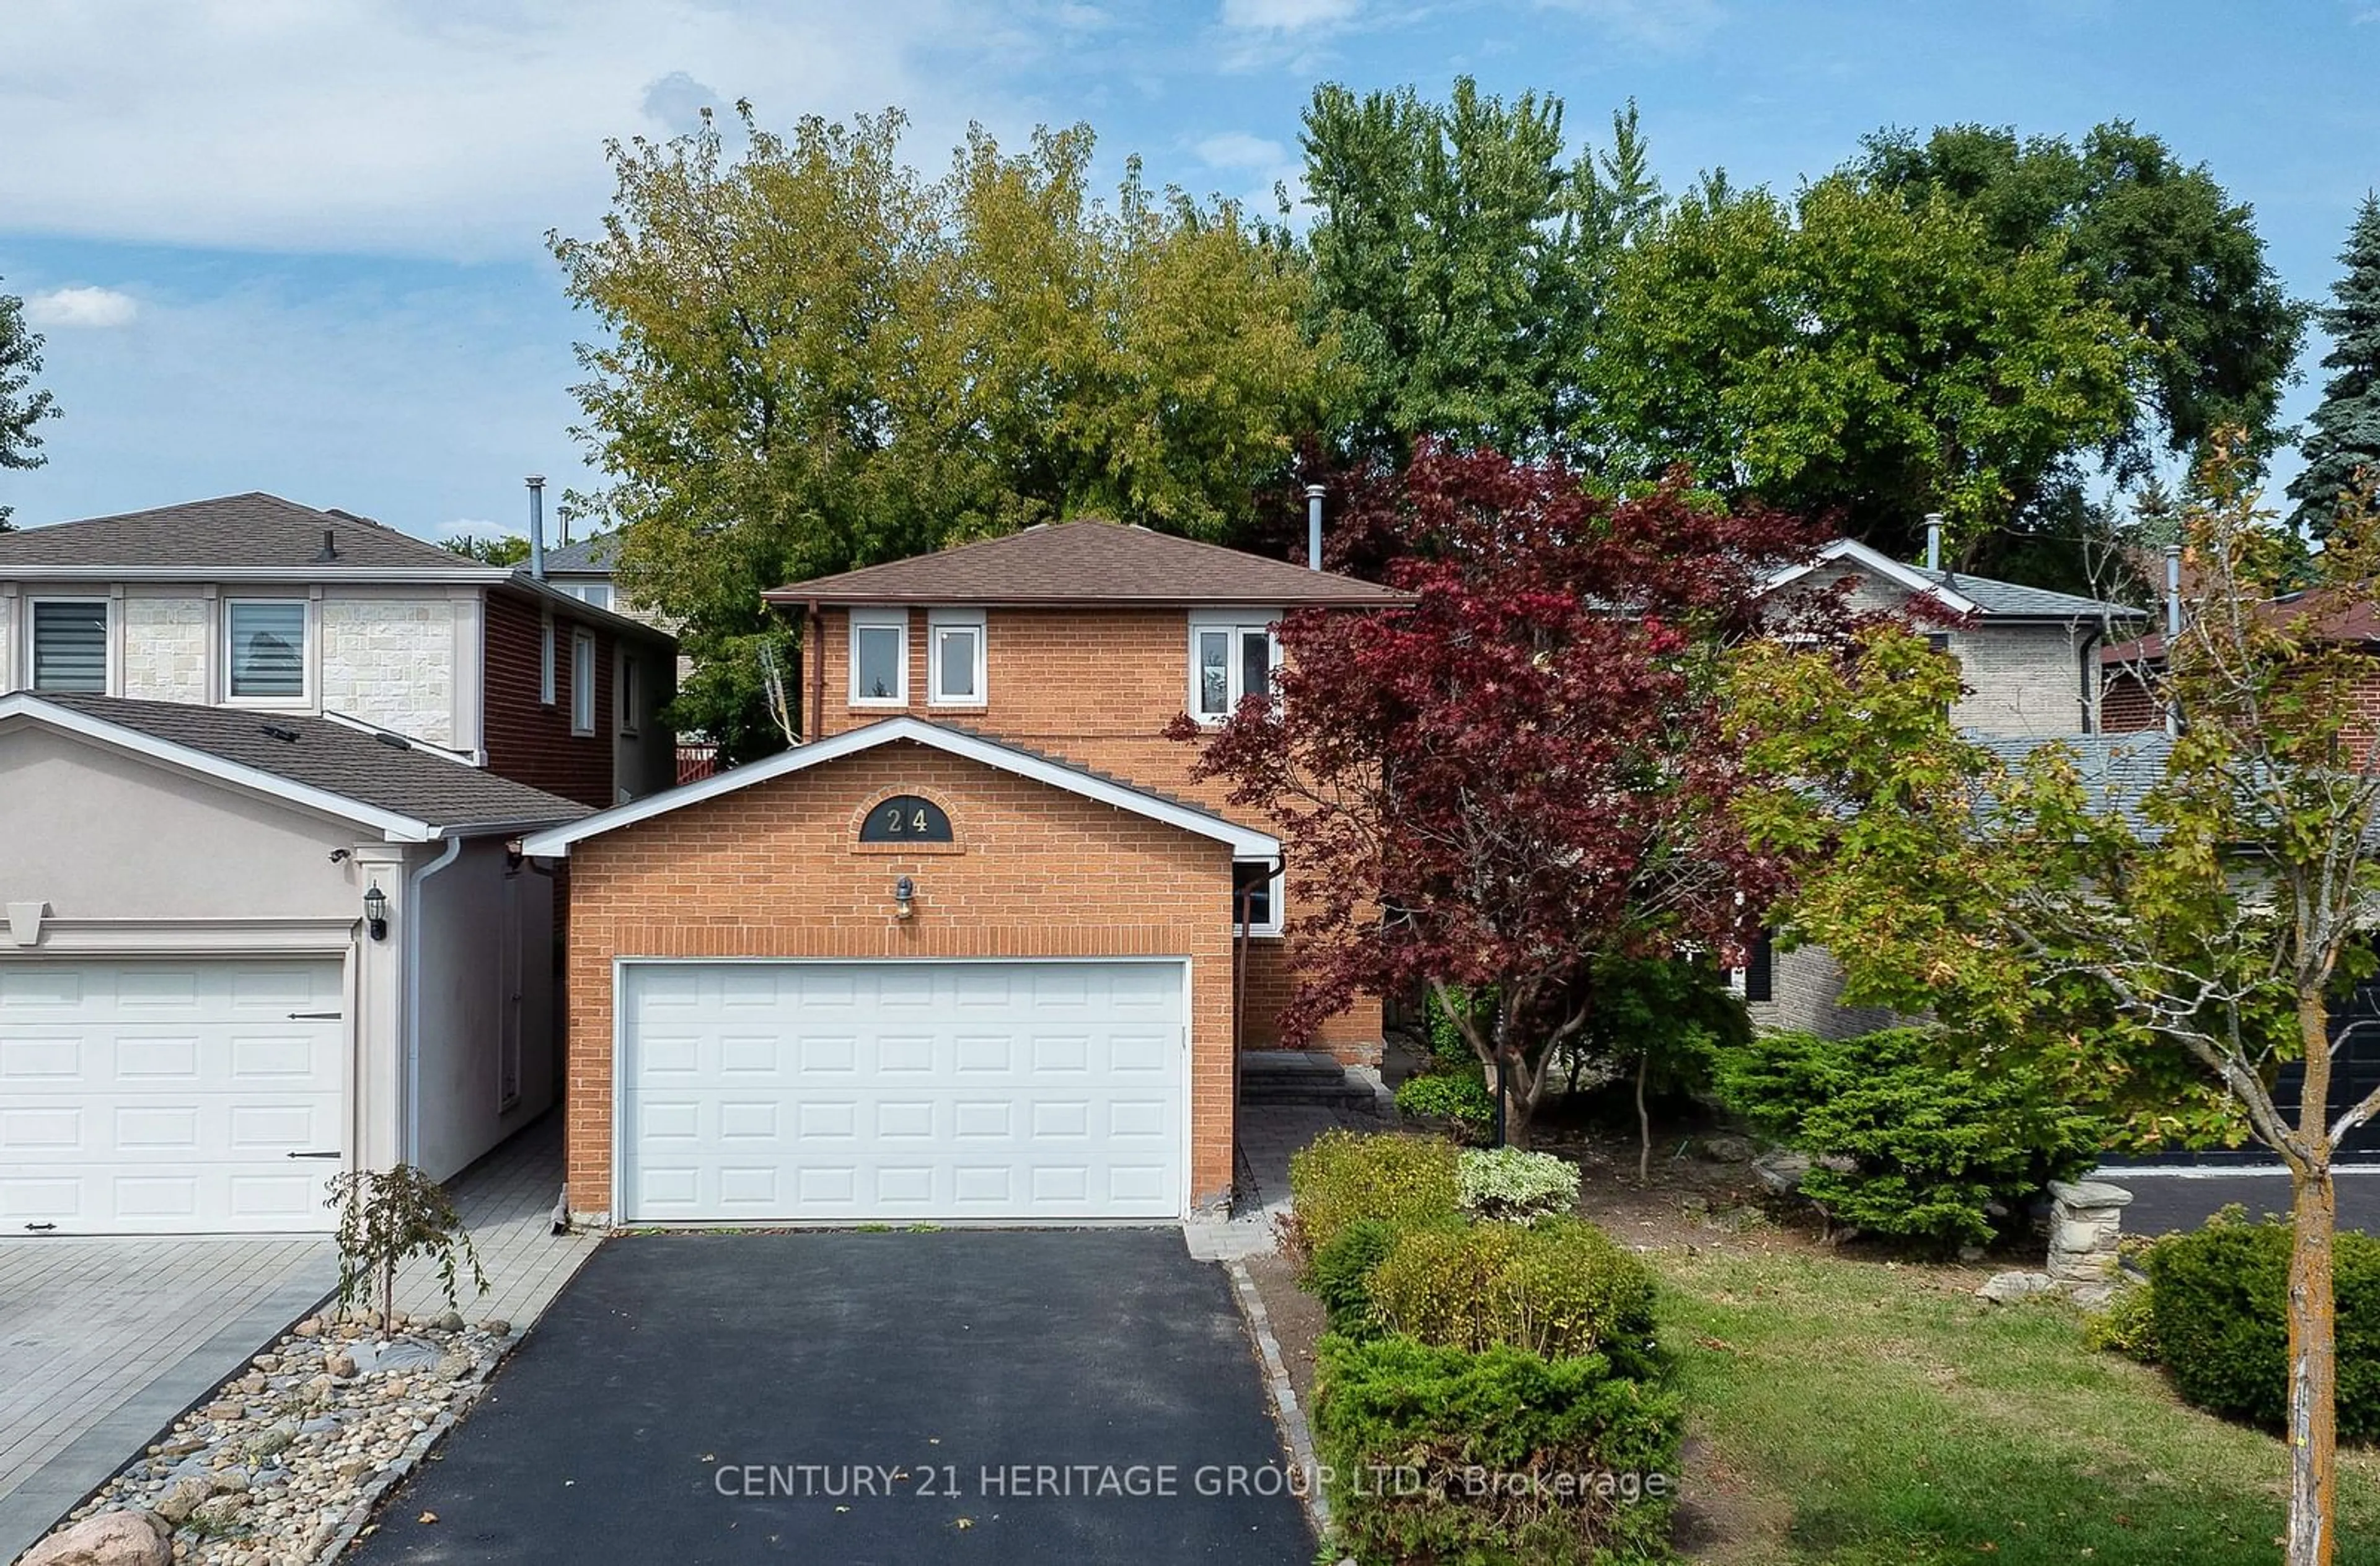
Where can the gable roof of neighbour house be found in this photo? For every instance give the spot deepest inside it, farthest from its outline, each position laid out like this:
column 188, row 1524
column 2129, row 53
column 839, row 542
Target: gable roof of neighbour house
column 1089, row 562
column 589, row 556
column 410, row 793
column 1984, row 598
column 254, row 533
column 1245, row 842
column 2356, row 623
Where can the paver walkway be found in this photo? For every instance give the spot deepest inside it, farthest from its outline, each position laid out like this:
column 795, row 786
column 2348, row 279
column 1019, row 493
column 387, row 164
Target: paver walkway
column 1267, row 1134
column 105, row 1341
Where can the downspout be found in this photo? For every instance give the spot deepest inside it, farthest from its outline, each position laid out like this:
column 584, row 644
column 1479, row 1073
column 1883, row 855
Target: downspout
column 2090, row 682
column 412, row 939
column 815, row 656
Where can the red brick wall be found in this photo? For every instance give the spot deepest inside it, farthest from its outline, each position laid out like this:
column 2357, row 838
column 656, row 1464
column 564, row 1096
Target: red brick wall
column 2125, row 706
column 1097, row 687
column 528, row 740
column 776, row 869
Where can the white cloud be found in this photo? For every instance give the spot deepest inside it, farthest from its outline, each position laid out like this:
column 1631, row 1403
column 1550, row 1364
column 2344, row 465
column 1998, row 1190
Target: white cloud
column 407, row 127
column 1237, row 148
column 71, row 307
column 1655, row 24
column 1287, row 15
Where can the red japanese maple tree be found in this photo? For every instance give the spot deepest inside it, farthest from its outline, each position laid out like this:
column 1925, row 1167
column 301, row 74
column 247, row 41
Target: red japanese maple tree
column 1525, row 769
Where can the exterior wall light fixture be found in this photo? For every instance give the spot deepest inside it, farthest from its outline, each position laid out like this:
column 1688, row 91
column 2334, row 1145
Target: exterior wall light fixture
column 905, row 898
column 376, row 912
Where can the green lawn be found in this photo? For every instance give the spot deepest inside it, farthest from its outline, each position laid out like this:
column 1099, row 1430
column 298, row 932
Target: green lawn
column 1851, row 1413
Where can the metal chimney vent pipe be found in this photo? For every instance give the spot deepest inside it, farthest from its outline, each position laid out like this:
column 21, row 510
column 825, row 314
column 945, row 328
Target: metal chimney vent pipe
column 537, row 525
column 1314, row 526
column 1933, row 541
column 2172, row 631
column 330, row 550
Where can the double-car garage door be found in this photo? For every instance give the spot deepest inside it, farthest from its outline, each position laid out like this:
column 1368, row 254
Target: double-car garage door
column 169, row 1096
column 901, row 1091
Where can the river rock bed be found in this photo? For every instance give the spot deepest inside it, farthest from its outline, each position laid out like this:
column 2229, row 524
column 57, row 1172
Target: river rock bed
column 282, row 1461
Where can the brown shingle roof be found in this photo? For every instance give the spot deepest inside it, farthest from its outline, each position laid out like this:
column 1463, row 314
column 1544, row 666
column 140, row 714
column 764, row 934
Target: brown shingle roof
column 404, row 780
column 240, row 532
column 1089, row 562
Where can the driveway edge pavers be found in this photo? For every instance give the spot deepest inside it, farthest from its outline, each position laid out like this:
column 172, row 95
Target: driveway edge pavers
column 1286, row 1411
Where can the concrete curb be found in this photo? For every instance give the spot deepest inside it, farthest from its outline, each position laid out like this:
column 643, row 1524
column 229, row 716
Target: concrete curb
column 1286, row 1412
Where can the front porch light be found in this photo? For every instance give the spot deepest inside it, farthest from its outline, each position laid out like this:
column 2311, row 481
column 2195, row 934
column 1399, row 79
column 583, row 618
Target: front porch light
column 376, row 912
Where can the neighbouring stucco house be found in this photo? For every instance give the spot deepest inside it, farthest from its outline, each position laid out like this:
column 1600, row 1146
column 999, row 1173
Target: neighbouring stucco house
column 261, row 768
column 2030, row 660
column 980, row 949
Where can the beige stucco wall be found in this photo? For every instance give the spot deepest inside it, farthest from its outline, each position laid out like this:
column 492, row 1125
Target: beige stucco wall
column 166, row 641
column 390, row 661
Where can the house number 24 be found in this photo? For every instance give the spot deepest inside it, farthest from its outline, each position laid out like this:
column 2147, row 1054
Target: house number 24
column 906, row 818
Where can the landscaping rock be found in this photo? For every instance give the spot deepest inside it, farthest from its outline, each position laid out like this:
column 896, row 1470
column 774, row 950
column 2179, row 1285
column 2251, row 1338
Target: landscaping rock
column 2006, row 1288
column 180, row 1499
column 110, row 1539
column 340, row 1365
column 1729, row 1149
column 449, row 1322
column 2086, row 1231
column 1782, row 1170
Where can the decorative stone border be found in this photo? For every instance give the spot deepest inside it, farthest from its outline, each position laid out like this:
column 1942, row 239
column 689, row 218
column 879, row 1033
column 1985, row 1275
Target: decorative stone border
column 1286, row 1411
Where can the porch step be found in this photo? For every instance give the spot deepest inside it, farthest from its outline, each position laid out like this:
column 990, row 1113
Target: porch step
column 1307, row 1076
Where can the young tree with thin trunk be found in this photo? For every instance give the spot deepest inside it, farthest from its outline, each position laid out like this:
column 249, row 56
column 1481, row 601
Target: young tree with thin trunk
column 1523, row 773
column 22, row 404
column 2163, row 924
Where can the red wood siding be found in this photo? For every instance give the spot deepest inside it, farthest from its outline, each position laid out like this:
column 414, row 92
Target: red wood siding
column 528, row 740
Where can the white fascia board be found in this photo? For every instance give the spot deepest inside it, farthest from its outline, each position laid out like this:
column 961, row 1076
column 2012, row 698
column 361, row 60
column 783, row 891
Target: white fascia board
column 368, row 575
column 393, row 828
column 1246, row 842
column 1883, row 566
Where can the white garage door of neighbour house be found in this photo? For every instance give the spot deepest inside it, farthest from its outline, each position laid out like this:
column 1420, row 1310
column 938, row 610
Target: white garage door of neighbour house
column 169, row 1096
column 904, row 1091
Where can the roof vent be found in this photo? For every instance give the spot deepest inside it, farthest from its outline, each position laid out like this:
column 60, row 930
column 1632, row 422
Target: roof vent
column 275, row 731
column 330, row 550
column 395, row 741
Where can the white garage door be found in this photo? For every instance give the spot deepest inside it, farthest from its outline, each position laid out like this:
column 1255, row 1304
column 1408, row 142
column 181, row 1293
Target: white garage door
column 901, row 1091
column 169, row 1097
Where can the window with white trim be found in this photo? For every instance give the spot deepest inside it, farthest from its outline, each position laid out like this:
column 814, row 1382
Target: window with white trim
column 1230, row 658
column 596, row 593
column 1256, row 897
column 264, row 650
column 68, row 643
column 954, row 657
column 582, row 681
column 545, row 660
column 880, row 657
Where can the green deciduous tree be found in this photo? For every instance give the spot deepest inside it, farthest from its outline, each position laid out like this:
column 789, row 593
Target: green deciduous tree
column 2157, row 240
column 815, row 358
column 2345, row 438
column 2161, row 935
column 1850, row 354
column 493, row 549
column 1458, row 253
column 22, row 404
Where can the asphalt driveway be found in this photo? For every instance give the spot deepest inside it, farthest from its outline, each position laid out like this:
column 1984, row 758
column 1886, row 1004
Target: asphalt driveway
column 993, row 1396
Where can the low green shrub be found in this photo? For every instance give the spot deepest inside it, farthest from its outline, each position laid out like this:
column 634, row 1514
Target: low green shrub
column 2219, row 1307
column 1343, row 1175
column 1514, row 1186
column 1458, row 1096
column 1908, row 1140
column 1439, row 1454
column 1560, row 1289
column 2125, row 1325
column 1341, row 1274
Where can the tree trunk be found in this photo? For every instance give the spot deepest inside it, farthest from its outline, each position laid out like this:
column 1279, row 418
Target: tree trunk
column 1644, row 1121
column 2314, row 1367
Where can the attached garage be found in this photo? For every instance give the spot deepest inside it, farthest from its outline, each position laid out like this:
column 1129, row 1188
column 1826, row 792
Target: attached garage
column 900, row 1091
column 905, row 973
column 161, row 1096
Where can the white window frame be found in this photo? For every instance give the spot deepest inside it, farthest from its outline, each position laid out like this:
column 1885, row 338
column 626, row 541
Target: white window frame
column 107, row 634
column 545, row 660
column 628, row 698
column 938, row 623
column 1235, row 624
column 894, row 620
column 1266, row 927
column 305, row 697
column 582, row 681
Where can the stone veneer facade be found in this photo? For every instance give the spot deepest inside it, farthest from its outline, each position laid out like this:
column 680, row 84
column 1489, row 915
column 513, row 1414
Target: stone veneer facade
column 166, row 650
column 390, row 661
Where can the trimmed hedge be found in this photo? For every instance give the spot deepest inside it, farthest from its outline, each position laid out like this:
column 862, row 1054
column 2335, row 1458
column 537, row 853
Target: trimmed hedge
column 2219, row 1307
column 1341, row 1176
column 1584, row 1462
column 1458, row 1096
column 1560, row 1289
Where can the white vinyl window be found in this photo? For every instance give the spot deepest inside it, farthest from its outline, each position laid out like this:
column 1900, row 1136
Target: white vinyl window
column 596, row 593
column 1230, row 657
column 954, row 657
column 1256, row 897
column 264, row 650
column 880, row 657
column 68, row 640
column 582, row 681
column 545, row 660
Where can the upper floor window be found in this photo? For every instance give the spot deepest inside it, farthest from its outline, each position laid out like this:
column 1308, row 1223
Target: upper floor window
column 582, row 681
column 70, row 645
column 954, row 657
column 1230, row 657
column 1256, row 897
column 596, row 593
column 264, row 650
column 880, row 657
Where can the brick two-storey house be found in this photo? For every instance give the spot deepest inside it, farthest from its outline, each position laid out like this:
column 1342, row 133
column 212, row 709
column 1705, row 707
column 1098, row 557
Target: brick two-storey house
column 980, row 948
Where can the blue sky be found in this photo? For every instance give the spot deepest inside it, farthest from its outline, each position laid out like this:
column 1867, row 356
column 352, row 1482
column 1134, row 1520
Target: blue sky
column 298, row 244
